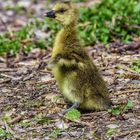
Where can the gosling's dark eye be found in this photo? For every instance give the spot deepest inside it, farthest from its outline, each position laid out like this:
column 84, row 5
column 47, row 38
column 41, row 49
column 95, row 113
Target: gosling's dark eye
column 62, row 10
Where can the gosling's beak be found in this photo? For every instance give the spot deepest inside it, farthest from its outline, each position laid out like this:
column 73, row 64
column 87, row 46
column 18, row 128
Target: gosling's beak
column 50, row 14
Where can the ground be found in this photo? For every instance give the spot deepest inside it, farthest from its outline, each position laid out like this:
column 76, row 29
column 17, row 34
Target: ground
column 28, row 94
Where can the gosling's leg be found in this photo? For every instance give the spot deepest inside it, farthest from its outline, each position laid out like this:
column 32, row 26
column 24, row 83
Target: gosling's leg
column 74, row 106
column 53, row 116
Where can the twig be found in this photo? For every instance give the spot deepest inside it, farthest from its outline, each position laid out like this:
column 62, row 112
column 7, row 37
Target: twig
column 29, row 77
column 4, row 24
column 46, row 58
column 5, row 81
column 96, row 113
column 15, row 120
column 44, row 82
column 2, row 59
column 1, row 123
column 135, row 26
column 7, row 70
column 11, row 77
column 54, row 116
column 129, row 70
column 83, row 123
column 127, row 91
column 127, row 133
column 133, row 75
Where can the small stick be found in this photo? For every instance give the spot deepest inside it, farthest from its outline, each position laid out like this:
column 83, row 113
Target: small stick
column 83, row 123
column 127, row 91
column 7, row 70
column 5, row 26
column 44, row 82
column 127, row 133
column 16, row 119
column 54, row 116
column 5, row 81
column 11, row 77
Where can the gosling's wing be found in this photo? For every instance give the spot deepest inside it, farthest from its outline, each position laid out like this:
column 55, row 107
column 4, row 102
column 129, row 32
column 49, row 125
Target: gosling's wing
column 69, row 58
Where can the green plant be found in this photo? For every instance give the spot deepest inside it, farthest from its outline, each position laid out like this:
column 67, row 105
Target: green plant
column 136, row 66
column 26, row 123
column 42, row 120
column 73, row 114
column 22, row 39
column 110, row 20
column 138, row 134
column 7, row 118
column 112, row 131
column 121, row 109
column 78, row 0
column 55, row 133
column 4, row 134
column 16, row 8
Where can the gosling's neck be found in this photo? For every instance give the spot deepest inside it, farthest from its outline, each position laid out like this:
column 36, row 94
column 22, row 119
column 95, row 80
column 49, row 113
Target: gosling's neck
column 66, row 40
column 70, row 29
column 68, row 35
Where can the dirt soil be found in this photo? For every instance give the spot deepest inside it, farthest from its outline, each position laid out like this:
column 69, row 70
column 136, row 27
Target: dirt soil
column 29, row 93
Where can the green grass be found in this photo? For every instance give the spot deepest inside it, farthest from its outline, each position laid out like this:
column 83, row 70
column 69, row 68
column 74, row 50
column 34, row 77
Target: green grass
column 136, row 66
column 110, row 20
column 4, row 134
column 24, row 38
column 55, row 133
column 17, row 8
column 121, row 108
column 106, row 22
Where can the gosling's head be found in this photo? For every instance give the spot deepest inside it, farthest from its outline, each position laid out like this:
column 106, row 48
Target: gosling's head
column 66, row 13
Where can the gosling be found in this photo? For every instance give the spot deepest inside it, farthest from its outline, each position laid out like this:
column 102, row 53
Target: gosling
column 76, row 75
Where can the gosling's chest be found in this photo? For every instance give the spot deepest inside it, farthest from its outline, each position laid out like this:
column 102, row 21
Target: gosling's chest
column 66, row 83
column 69, row 90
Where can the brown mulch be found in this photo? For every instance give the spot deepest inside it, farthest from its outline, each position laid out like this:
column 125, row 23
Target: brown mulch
column 28, row 92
